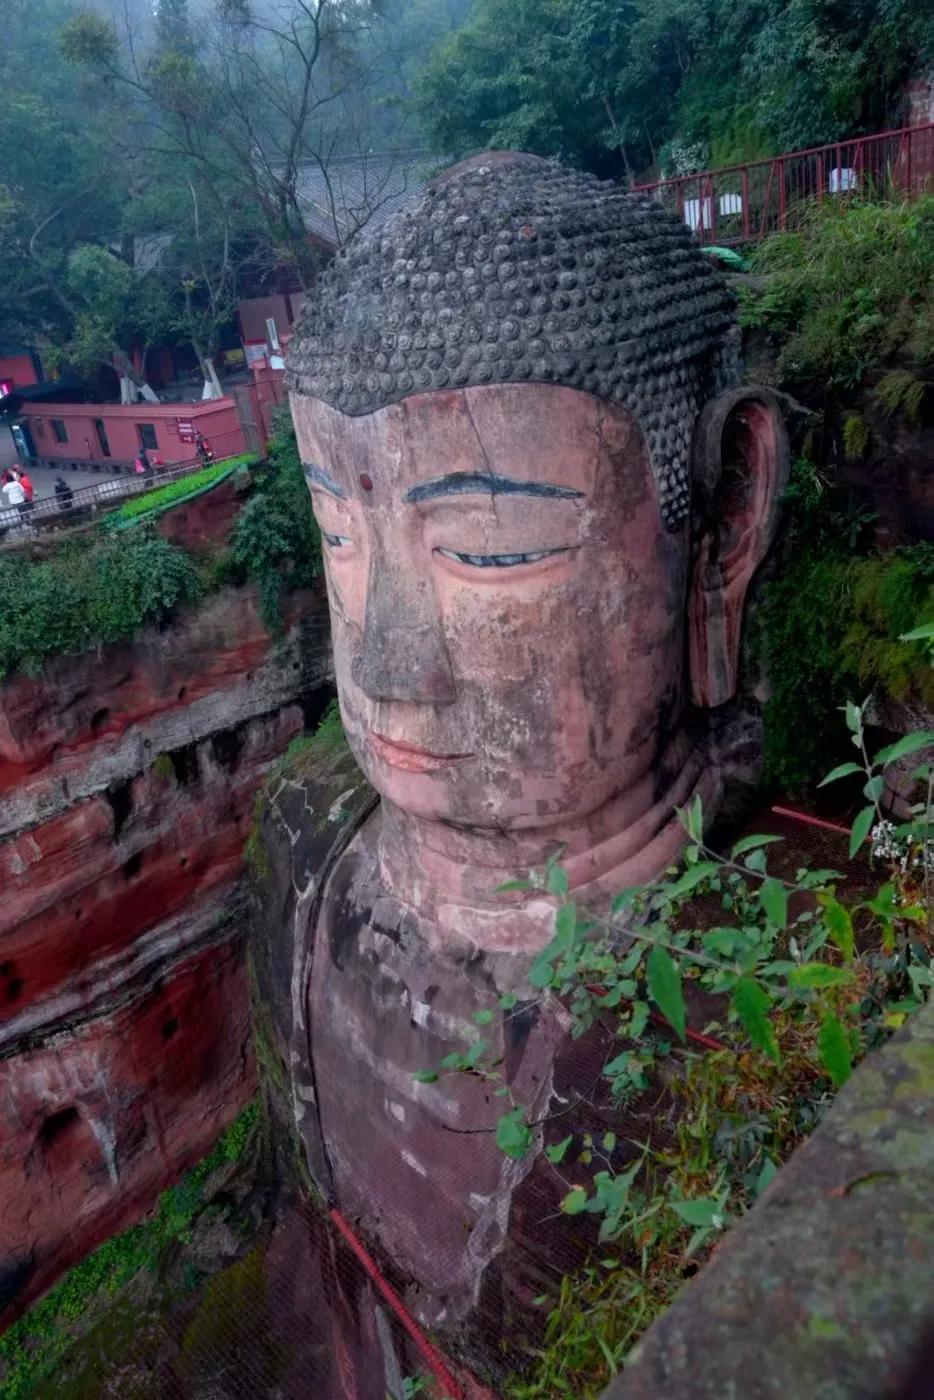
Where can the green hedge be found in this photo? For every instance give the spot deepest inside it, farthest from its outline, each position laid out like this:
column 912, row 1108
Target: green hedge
column 831, row 626
column 176, row 491
column 89, row 594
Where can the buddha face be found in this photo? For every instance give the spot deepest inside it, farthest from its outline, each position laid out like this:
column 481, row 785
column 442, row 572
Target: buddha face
column 507, row 608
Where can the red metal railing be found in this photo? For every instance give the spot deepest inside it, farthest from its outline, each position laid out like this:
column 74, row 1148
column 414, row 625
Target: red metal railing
column 743, row 203
column 87, row 501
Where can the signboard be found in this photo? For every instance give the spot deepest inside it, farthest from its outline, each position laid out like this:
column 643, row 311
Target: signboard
column 186, row 429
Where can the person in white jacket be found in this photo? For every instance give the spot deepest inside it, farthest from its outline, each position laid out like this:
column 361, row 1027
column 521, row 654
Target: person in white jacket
column 13, row 493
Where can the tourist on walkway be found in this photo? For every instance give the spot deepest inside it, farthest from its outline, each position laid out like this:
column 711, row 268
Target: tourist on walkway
column 27, row 486
column 64, row 494
column 13, row 493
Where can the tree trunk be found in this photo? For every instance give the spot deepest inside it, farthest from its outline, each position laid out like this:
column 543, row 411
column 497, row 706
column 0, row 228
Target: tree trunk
column 126, row 371
column 212, row 385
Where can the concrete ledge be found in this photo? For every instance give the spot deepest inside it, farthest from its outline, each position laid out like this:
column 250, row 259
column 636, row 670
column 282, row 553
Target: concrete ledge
column 825, row 1291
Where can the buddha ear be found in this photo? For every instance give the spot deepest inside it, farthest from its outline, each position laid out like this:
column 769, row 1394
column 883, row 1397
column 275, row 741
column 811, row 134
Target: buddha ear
column 740, row 463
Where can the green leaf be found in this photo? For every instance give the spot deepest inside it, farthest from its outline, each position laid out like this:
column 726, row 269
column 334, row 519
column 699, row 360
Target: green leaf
column 558, row 1152
column 575, row 1201
column 752, row 843
column 566, row 924
column 834, row 1048
column 911, row 743
column 664, row 985
column 873, row 790
column 766, row 1176
column 556, row 881
column 618, row 1065
column 854, row 717
column 513, row 1134
column 541, row 973
column 843, row 771
column 924, row 633
column 690, row 879
column 756, row 861
column 819, row 975
column 698, row 1212
column 508, row 1001
column 483, row 1017
column 692, row 819
column 752, row 1004
column 425, row 1076
column 774, row 900
column 609, row 1142
column 475, row 1053
column 839, row 924
column 861, row 828
column 508, row 886
column 626, row 898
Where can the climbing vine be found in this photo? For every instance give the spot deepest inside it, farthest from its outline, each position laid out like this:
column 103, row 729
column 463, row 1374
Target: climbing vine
column 276, row 540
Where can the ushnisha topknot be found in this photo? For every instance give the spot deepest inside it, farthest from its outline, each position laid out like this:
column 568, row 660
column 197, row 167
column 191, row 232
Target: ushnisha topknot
column 512, row 269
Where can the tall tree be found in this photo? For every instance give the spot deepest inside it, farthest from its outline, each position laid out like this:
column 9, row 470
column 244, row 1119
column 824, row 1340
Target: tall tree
column 173, row 27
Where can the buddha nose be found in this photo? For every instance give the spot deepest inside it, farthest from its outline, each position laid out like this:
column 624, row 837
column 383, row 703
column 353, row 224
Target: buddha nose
column 403, row 655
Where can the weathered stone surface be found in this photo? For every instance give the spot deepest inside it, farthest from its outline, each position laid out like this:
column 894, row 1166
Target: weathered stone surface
column 85, row 722
column 826, row 1288
column 96, row 1117
column 91, row 881
column 206, row 521
column 127, row 782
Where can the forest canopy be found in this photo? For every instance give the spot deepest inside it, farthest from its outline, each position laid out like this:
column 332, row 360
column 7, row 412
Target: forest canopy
column 154, row 153
column 623, row 85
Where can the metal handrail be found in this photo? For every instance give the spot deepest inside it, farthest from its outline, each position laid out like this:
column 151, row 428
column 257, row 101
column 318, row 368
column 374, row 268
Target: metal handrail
column 103, row 495
column 898, row 131
column 744, row 202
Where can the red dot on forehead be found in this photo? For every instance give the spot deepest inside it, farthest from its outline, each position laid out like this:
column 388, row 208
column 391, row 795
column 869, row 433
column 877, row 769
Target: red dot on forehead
column 366, row 481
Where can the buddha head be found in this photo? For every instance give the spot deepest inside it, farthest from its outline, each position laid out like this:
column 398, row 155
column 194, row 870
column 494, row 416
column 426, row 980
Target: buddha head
column 542, row 493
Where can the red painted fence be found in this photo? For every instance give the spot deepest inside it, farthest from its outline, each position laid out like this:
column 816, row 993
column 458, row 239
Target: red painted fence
column 743, row 203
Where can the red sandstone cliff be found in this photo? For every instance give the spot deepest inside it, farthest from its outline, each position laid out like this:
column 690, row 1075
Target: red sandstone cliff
column 126, row 786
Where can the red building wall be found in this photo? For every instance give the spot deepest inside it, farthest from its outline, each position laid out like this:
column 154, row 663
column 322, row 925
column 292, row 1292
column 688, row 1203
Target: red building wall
column 17, row 370
column 218, row 420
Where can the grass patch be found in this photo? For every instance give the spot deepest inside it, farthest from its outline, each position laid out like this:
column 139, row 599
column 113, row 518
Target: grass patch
column 849, row 290
column 173, row 492
column 33, row 1347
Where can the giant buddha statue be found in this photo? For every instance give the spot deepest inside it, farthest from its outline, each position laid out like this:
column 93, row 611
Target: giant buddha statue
column 543, row 492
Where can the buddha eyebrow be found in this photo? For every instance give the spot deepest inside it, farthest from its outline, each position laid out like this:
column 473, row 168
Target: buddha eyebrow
column 460, row 483
column 322, row 478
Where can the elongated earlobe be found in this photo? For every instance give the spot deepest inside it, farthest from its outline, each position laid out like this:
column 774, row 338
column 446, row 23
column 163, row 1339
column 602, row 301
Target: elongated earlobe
column 740, row 466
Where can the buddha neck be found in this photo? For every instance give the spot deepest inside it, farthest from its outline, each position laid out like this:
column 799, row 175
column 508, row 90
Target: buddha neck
column 449, row 875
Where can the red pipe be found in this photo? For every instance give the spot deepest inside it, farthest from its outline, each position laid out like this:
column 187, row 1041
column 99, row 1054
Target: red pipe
column 698, row 1037
column 432, row 1358
column 810, row 821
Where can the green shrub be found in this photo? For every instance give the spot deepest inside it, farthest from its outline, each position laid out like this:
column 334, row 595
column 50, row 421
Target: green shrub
column 848, row 290
column 276, row 541
column 88, row 594
column 831, row 629
column 174, row 491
